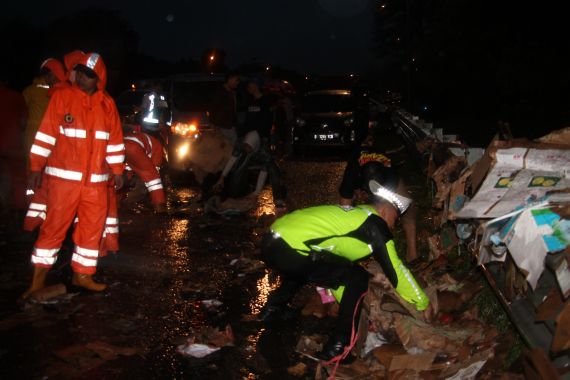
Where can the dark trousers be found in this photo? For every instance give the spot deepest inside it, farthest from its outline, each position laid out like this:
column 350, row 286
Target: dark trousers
column 297, row 270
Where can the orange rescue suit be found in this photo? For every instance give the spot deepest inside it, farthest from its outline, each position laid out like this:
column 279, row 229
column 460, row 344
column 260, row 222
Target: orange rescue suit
column 144, row 157
column 78, row 144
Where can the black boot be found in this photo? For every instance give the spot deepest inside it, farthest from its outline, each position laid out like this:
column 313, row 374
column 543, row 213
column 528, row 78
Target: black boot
column 333, row 348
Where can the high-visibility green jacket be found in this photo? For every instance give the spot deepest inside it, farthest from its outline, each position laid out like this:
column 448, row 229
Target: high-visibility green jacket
column 354, row 233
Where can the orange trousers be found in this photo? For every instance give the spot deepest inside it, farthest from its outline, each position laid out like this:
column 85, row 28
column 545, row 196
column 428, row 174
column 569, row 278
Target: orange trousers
column 110, row 238
column 65, row 200
column 146, row 168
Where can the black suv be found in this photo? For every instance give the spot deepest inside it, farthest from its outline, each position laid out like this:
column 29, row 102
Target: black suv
column 331, row 117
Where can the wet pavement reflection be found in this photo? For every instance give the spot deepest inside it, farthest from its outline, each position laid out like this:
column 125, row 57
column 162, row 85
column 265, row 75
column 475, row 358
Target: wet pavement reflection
column 167, row 266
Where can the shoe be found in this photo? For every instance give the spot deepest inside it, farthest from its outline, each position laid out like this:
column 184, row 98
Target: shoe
column 334, row 348
column 38, row 281
column 86, row 281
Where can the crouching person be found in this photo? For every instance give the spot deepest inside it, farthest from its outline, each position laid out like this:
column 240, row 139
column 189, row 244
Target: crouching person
column 323, row 244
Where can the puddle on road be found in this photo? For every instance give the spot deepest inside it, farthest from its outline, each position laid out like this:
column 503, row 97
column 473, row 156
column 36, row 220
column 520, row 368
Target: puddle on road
column 163, row 260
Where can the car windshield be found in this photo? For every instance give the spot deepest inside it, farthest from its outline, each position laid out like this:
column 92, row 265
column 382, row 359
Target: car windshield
column 323, row 103
column 194, row 96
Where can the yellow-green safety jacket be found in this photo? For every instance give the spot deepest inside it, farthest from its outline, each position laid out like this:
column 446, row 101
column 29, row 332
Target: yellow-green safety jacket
column 354, row 233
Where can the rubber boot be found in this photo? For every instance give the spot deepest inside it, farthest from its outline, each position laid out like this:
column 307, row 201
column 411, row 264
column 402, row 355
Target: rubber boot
column 86, row 281
column 38, row 281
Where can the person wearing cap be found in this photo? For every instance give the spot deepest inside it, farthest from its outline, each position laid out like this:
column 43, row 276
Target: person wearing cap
column 259, row 118
column 323, row 245
column 79, row 142
column 254, row 146
column 362, row 166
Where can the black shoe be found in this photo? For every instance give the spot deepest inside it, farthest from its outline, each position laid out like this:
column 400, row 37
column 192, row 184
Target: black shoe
column 334, row 348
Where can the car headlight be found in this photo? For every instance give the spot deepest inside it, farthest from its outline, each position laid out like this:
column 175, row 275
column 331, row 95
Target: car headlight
column 300, row 122
column 348, row 122
column 184, row 129
column 182, row 150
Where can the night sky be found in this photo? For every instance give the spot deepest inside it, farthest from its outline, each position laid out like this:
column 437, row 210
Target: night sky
column 323, row 35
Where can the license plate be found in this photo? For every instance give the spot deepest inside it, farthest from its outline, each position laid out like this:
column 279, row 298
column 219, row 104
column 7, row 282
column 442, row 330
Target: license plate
column 324, row 137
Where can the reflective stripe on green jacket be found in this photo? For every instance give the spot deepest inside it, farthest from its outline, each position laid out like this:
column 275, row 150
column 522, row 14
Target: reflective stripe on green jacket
column 353, row 233
column 325, row 228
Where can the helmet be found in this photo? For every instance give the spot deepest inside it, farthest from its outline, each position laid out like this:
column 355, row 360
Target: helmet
column 375, row 170
column 382, row 183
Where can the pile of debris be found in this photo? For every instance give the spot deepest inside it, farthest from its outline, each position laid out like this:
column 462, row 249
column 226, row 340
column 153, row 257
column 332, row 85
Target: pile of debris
column 396, row 342
column 509, row 206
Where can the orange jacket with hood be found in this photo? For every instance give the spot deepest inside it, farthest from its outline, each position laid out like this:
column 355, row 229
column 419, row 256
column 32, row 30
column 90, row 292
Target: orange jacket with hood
column 80, row 137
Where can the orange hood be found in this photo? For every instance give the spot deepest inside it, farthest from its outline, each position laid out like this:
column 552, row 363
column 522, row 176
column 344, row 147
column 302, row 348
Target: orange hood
column 95, row 63
column 70, row 60
column 55, row 67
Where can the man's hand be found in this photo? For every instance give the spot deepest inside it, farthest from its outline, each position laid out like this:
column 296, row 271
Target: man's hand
column 119, row 181
column 34, row 180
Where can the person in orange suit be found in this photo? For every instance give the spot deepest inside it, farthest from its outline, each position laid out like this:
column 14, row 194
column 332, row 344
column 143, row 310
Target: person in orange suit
column 79, row 142
column 144, row 157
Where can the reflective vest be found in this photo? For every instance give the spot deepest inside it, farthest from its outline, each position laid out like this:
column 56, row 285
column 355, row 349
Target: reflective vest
column 332, row 230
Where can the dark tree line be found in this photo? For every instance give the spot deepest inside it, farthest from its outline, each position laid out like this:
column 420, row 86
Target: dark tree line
column 104, row 31
column 505, row 60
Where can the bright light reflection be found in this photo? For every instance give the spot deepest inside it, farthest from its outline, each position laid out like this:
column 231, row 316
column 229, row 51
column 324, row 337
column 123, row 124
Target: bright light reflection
column 251, row 342
column 178, row 230
column 264, row 287
column 265, row 202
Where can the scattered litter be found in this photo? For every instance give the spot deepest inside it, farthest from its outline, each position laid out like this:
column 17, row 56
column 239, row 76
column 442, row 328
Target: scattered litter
column 373, row 341
column 309, row 345
column 211, row 304
column 206, row 342
column 416, row 362
column 246, row 265
column 196, row 350
column 468, row 373
column 298, row 370
column 47, row 294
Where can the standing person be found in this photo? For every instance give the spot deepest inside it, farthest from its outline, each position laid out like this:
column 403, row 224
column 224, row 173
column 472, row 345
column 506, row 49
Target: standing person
column 37, row 96
column 224, row 107
column 259, row 117
column 323, row 244
column 79, row 141
column 144, row 156
column 363, row 165
column 154, row 110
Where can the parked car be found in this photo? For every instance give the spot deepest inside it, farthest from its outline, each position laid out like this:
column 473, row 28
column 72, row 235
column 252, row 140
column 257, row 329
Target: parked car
column 331, row 117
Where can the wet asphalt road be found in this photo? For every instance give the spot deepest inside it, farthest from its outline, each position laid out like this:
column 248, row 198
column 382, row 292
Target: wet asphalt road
column 167, row 265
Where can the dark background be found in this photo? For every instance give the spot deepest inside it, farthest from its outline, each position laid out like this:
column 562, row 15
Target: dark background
column 457, row 62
